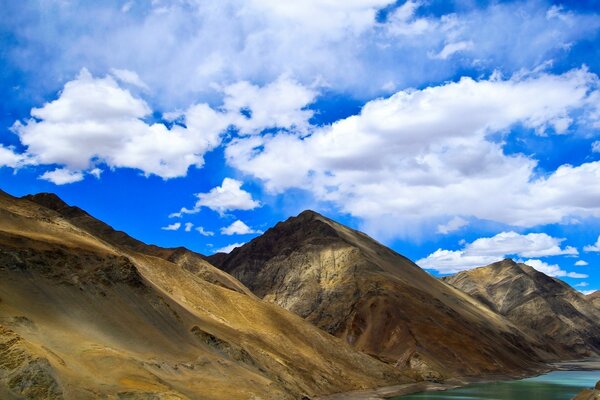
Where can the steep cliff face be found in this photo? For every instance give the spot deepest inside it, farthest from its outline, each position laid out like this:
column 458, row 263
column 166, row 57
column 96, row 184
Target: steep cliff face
column 562, row 317
column 377, row 300
column 82, row 317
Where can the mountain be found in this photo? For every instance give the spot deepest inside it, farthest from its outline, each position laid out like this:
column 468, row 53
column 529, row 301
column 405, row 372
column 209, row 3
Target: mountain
column 189, row 260
column 536, row 303
column 380, row 302
column 594, row 298
column 87, row 312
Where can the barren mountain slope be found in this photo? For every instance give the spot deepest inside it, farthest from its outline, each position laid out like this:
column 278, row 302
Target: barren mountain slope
column 377, row 300
column 594, row 298
column 191, row 261
column 82, row 319
column 534, row 301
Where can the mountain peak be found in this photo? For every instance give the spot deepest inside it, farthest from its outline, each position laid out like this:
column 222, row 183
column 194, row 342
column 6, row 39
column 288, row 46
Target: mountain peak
column 535, row 301
column 49, row 200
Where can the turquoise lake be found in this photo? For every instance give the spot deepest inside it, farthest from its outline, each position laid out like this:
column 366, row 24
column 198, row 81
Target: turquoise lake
column 557, row 385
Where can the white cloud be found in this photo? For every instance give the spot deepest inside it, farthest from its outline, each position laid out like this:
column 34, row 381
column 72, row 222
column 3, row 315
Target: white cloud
column 582, row 284
column 484, row 251
column 172, row 227
column 96, row 172
column 188, row 226
column 553, row 270
column 204, row 232
column 130, row 77
column 581, row 263
column 453, row 225
column 95, row 121
column 62, row 176
column 279, row 104
column 9, row 158
column 425, row 154
column 512, row 243
column 238, row 228
column 197, row 43
column 596, row 146
column 593, row 247
column 453, row 48
column 227, row 197
column 229, row 248
column 452, row 261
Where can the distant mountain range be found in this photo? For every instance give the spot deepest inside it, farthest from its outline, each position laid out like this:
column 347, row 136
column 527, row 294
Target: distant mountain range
column 309, row 308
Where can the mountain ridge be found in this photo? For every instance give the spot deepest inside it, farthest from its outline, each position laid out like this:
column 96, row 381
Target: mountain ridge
column 379, row 301
column 535, row 302
column 83, row 318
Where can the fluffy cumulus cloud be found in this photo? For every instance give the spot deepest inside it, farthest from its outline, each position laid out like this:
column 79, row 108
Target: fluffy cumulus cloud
column 228, row 248
column 62, row 176
column 593, row 248
column 172, row 227
column 553, row 269
column 429, row 153
column 454, row 224
column 238, row 228
column 581, row 263
column 204, row 232
column 10, row 158
column 199, row 43
column 95, row 121
column 228, row 197
column 484, row 251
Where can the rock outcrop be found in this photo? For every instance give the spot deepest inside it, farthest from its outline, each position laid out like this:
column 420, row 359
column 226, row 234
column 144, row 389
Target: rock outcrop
column 544, row 306
column 83, row 315
column 380, row 302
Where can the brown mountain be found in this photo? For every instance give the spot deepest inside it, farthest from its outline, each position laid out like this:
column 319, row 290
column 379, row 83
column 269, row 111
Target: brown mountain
column 594, row 298
column 537, row 303
column 348, row 284
column 190, row 260
column 87, row 312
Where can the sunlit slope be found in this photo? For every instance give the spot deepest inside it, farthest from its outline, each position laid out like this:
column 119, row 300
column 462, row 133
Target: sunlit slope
column 82, row 318
column 562, row 317
column 377, row 300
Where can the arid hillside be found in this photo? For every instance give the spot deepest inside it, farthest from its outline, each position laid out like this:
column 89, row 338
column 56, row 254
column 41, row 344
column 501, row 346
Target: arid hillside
column 561, row 316
column 85, row 315
column 380, row 302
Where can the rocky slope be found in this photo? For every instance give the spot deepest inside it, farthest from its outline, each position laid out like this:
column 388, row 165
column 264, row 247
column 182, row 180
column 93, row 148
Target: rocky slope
column 594, row 298
column 191, row 261
column 537, row 303
column 83, row 316
column 377, row 300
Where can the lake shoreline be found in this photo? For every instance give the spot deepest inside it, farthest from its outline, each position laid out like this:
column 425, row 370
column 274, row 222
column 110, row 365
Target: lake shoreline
column 387, row 392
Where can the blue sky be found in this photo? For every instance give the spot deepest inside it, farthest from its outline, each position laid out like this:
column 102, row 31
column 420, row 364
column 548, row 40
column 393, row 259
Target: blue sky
column 457, row 132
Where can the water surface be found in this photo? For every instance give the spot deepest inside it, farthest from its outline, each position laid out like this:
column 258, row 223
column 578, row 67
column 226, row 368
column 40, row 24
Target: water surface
column 556, row 385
